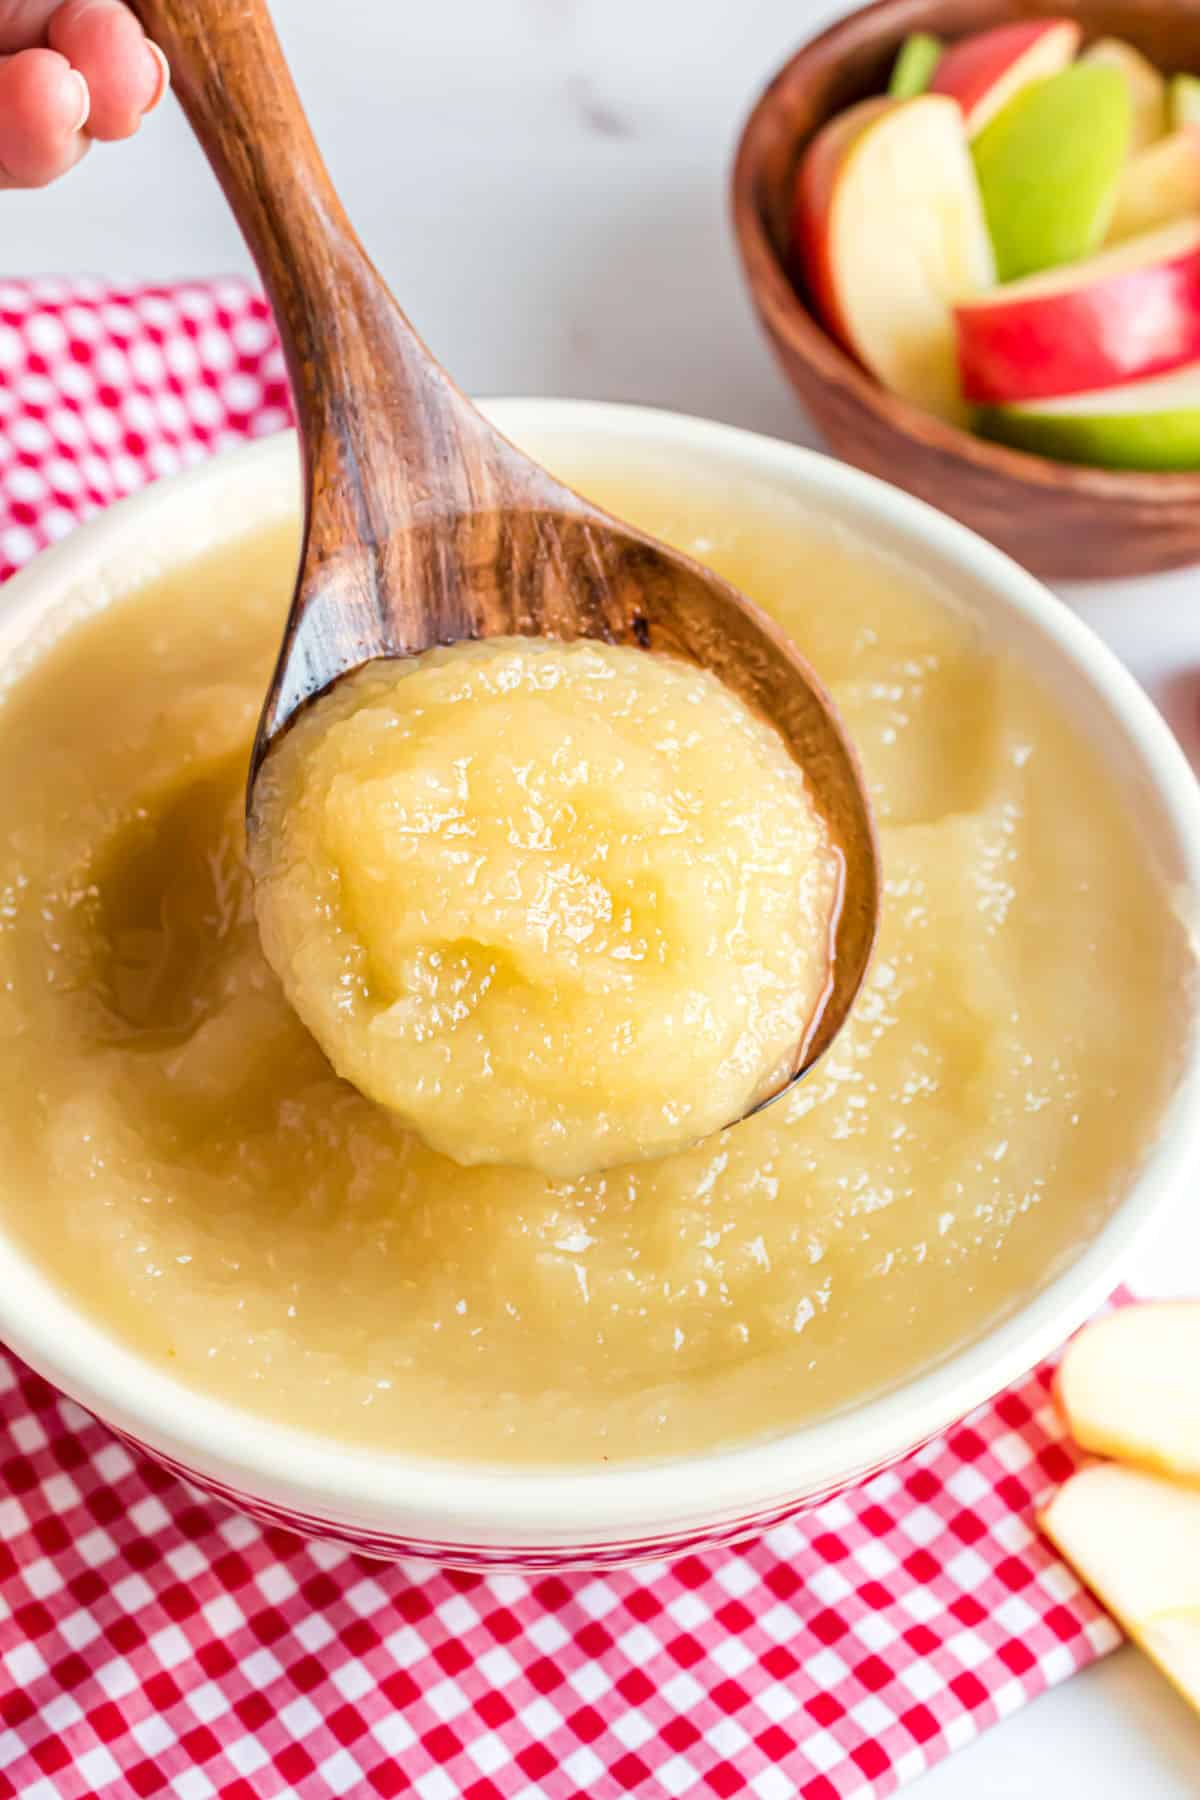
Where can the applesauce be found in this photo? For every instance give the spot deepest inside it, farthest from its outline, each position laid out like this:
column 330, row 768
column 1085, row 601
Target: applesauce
column 556, row 905
column 177, row 1152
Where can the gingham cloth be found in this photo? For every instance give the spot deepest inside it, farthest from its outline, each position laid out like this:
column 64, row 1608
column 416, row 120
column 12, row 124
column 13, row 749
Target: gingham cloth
column 154, row 1642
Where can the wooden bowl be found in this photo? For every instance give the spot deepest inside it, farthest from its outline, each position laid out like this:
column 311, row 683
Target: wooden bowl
column 1060, row 519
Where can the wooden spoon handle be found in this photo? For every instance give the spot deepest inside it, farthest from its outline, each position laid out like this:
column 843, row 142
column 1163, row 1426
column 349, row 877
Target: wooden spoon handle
column 369, row 397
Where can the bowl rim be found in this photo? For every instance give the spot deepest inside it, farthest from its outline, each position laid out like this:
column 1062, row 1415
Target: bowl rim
column 792, row 319
column 481, row 1504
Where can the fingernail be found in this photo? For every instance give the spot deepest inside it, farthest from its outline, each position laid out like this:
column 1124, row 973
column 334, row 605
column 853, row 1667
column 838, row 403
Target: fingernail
column 162, row 76
column 85, row 100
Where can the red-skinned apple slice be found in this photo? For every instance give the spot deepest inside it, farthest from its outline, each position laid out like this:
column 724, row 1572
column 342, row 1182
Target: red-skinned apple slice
column 1135, row 1540
column 1160, row 183
column 1127, row 313
column 1129, row 1386
column 890, row 228
column 983, row 72
column 815, row 183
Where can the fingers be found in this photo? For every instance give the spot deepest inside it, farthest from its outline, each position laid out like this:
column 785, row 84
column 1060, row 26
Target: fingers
column 44, row 104
column 23, row 23
column 98, row 68
column 126, row 74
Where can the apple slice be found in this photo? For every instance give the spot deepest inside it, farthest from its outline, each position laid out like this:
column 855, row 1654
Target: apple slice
column 1147, row 87
column 1152, row 424
column 1129, row 1386
column 816, row 181
column 1128, row 312
column 1183, row 101
column 1160, row 183
column 983, row 72
column 890, row 228
column 1049, row 165
column 913, row 68
column 1135, row 1540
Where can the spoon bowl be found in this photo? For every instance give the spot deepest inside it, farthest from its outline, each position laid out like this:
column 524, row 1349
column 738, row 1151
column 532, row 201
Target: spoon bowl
column 424, row 526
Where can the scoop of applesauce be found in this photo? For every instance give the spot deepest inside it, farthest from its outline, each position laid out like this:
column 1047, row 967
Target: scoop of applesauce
column 559, row 905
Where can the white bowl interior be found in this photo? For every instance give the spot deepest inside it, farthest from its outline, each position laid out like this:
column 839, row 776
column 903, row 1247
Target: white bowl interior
column 483, row 1506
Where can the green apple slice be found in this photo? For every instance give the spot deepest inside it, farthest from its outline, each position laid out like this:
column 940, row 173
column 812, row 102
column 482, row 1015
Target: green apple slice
column 1183, row 101
column 1152, row 424
column 1049, row 165
column 913, row 69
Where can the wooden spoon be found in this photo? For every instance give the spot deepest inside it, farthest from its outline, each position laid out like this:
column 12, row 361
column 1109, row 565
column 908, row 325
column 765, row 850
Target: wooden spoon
column 423, row 524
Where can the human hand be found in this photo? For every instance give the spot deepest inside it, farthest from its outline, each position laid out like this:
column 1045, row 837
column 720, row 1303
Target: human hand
column 70, row 71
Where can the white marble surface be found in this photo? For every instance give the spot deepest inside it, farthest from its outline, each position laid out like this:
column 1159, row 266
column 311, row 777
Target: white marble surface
column 543, row 181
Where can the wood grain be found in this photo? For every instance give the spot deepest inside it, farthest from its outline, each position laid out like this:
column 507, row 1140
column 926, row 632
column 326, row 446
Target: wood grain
column 423, row 525
column 1060, row 519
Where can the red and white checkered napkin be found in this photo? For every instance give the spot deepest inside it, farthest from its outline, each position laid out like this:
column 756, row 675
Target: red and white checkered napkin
column 154, row 1642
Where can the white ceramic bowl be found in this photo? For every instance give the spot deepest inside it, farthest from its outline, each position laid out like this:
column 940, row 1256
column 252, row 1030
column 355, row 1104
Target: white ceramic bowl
column 393, row 1505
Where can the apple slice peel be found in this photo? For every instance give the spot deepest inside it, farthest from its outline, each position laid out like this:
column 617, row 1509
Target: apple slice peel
column 1129, row 312
column 1149, row 425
